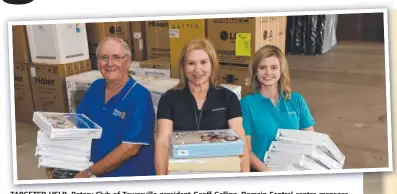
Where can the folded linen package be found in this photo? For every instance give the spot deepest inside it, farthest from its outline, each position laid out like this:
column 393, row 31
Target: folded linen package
column 205, row 144
column 310, row 150
column 49, row 162
column 66, row 125
column 78, row 145
column 214, row 164
column 302, row 160
column 322, row 141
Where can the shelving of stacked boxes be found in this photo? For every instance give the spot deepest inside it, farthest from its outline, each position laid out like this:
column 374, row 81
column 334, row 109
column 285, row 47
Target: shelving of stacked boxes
column 55, row 64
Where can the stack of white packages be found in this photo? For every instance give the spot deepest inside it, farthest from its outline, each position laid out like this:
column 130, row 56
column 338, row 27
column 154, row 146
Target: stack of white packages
column 297, row 150
column 64, row 140
column 211, row 151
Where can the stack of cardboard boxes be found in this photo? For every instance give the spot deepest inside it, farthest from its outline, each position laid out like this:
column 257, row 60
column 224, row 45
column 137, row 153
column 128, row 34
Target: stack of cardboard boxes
column 24, row 106
column 237, row 39
column 62, row 50
column 43, row 56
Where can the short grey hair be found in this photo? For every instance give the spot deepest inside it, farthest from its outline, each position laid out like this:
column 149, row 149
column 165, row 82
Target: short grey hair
column 124, row 44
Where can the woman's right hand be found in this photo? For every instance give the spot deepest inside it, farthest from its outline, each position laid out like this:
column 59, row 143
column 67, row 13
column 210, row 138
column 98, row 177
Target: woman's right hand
column 265, row 168
column 49, row 172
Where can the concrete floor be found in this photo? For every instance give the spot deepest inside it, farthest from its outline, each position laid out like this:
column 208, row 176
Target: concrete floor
column 345, row 90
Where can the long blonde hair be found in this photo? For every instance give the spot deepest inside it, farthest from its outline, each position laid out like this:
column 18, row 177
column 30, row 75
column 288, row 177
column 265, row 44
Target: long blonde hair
column 199, row 44
column 284, row 84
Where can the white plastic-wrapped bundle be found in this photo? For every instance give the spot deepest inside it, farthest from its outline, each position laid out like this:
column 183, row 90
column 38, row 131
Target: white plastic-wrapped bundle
column 322, row 141
column 47, row 162
column 67, row 125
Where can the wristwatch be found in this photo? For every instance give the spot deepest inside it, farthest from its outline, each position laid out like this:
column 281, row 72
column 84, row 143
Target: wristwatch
column 90, row 174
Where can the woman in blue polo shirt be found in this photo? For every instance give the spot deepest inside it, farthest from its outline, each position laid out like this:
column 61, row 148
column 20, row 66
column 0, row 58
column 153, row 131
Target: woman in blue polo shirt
column 198, row 102
column 272, row 106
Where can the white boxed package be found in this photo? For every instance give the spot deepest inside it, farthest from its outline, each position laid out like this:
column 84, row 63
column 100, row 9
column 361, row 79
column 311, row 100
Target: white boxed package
column 63, row 154
column 310, row 150
column 47, row 162
column 165, row 73
column 213, row 164
column 81, row 145
column 58, row 43
column 292, row 158
column 77, row 85
column 308, row 137
column 66, row 125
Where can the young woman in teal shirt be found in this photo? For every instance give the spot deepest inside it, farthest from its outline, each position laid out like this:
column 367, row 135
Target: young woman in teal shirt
column 272, row 106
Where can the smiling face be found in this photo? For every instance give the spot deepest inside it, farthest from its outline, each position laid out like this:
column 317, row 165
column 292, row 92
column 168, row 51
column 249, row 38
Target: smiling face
column 269, row 71
column 198, row 67
column 113, row 61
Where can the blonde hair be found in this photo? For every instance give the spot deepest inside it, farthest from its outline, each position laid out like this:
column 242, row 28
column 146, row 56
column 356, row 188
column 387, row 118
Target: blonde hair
column 200, row 44
column 124, row 44
column 284, row 84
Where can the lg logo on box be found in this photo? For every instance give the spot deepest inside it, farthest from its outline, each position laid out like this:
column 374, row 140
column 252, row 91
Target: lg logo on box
column 17, row 2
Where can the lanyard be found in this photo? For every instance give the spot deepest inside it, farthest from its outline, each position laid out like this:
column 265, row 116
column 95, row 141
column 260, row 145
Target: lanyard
column 198, row 119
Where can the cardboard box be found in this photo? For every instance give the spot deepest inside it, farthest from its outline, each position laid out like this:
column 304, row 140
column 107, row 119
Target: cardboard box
column 150, row 72
column 156, row 63
column 180, row 32
column 24, row 106
column 157, row 39
column 20, row 44
column 137, row 43
column 48, row 84
column 99, row 31
column 57, row 43
column 236, row 74
column 237, row 39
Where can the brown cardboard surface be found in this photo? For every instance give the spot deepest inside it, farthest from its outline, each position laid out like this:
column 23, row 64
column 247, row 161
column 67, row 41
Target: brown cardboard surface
column 157, row 39
column 98, row 31
column 237, row 74
column 137, row 41
column 49, row 85
column 24, row 106
column 161, row 63
column 21, row 52
column 264, row 30
column 182, row 31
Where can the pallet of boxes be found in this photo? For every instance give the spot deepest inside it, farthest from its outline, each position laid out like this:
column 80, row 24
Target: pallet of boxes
column 57, row 51
column 296, row 150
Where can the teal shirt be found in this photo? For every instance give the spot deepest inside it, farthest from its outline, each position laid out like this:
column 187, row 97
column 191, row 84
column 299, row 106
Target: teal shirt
column 261, row 119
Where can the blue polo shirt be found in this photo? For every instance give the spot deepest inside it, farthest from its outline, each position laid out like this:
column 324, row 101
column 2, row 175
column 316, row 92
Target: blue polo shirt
column 127, row 117
column 261, row 119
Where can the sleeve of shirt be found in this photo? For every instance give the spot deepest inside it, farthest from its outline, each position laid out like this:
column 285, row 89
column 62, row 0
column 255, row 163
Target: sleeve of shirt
column 165, row 107
column 247, row 119
column 140, row 121
column 306, row 119
column 234, row 107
